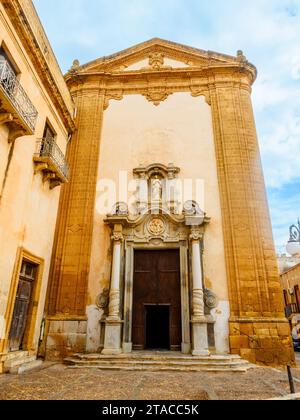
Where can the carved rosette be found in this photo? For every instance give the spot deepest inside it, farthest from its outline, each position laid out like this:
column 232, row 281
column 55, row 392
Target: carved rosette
column 198, row 303
column 114, row 304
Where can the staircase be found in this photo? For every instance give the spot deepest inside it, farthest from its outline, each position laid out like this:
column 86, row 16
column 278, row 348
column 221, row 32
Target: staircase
column 159, row 362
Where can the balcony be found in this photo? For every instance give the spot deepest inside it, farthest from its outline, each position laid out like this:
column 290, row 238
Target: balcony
column 51, row 161
column 16, row 107
column 291, row 309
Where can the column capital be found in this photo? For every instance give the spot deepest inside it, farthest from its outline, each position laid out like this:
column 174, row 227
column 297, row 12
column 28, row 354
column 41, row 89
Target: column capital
column 196, row 236
column 117, row 237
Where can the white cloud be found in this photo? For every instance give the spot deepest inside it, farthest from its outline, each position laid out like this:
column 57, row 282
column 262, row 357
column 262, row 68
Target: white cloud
column 267, row 31
column 281, row 149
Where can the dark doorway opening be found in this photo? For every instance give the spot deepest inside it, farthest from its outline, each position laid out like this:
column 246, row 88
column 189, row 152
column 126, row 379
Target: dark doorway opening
column 157, row 327
column 156, row 318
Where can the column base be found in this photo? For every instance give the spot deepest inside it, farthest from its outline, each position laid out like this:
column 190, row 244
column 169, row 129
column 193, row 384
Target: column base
column 200, row 338
column 112, row 340
column 111, row 352
column 127, row 348
column 186, row 348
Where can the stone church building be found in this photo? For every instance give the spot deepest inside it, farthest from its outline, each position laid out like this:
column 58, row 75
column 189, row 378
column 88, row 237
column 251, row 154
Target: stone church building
column 163, row 238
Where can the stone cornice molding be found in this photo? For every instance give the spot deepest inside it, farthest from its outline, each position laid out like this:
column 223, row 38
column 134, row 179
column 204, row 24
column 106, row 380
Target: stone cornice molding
column 146, row 172
column 31, row 33
column 193, row 57
column 126, row 220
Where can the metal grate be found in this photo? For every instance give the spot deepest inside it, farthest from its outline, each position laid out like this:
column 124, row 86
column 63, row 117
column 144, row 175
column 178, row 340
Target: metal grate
column 17, row 94
column 48, row 148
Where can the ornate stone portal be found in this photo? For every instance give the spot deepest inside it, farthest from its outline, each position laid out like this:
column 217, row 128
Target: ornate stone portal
column 157, row 227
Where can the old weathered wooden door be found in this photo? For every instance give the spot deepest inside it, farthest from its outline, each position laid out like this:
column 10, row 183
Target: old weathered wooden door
column 157, row 300
column 22, row 305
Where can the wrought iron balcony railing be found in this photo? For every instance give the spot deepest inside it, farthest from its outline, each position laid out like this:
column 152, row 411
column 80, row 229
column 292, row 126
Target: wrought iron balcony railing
column 17, row 95
column 49, row 153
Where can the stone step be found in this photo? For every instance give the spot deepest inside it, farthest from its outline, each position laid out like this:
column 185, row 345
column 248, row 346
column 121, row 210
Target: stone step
column 129, row 362
column 26, row 367
column 13, row 356
column 16, row 362
column 165, row 368
column 142, row 357
column 159, row 362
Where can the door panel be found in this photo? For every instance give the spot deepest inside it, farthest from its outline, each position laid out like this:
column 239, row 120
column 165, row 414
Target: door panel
column 156, row 282
column 21, row 309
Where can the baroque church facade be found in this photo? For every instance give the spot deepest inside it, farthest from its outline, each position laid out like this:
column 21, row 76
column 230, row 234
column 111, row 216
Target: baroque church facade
column 163, row 237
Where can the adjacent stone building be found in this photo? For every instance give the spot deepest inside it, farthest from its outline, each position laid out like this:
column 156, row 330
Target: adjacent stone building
column 290, row 282
column 290, row 275
column 36, row 122
column 163, row 238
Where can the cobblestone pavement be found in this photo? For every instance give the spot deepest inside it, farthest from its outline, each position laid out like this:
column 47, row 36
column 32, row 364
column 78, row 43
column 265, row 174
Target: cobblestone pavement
column 57, row 382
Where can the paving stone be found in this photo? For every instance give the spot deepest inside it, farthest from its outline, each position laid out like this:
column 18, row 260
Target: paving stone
column 57, row 382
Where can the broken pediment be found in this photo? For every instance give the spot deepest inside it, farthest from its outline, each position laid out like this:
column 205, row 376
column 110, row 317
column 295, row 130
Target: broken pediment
column 157, row 55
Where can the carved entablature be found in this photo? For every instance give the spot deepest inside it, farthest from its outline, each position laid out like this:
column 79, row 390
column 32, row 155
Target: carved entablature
column 156, row 226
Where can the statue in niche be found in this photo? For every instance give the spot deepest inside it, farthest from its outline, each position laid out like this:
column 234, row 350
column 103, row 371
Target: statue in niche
column 157, row 189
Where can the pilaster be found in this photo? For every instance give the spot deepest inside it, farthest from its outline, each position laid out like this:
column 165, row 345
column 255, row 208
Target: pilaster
column 72, row 248
column 253, row 276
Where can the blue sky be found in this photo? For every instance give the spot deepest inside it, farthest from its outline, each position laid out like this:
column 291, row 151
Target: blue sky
column 268, row 31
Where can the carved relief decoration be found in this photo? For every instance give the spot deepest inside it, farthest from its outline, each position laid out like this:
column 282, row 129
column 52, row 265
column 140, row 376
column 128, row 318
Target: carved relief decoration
column 102, row 300
column 156, row 61
column 116, row 95
column 156, row 226
column 210, row 300
column 156, row 95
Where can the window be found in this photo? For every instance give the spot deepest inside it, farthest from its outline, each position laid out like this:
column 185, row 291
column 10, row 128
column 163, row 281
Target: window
column 297, row 296
column 48, row 140
column 48, row 132
column 286, row 300
column 5, row 58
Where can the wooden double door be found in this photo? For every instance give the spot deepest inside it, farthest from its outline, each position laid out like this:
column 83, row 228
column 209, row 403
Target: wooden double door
column 22, row 306
column 157, row 301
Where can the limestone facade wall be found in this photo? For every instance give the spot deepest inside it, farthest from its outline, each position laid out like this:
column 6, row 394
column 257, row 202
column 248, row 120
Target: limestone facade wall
column 258, row 328
column 178, row 131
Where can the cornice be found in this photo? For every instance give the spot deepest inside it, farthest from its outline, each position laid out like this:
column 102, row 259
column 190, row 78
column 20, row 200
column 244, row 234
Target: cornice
column 184, row 53
column 26, row 23
column 157, row 86
column 225, row 70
